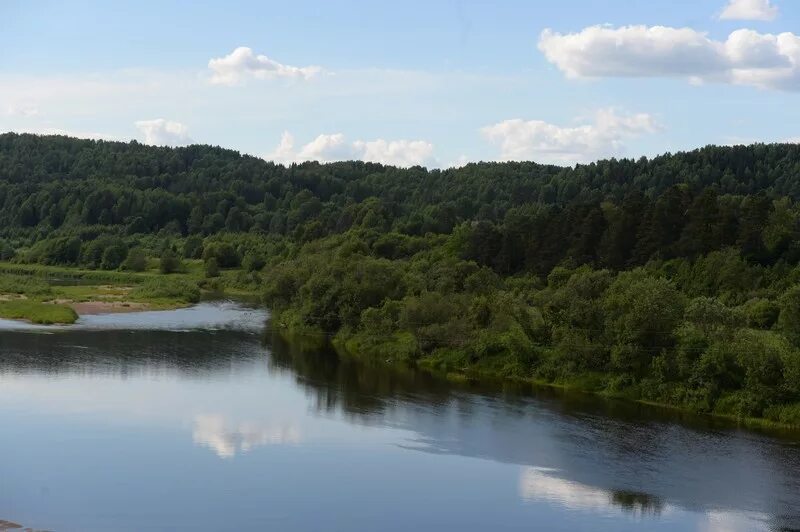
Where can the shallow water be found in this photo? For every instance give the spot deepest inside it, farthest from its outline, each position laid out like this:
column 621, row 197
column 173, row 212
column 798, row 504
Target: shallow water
column 199, row 420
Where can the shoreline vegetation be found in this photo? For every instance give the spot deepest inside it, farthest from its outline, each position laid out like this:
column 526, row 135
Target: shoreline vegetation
column 589, row 385
column 672, row 280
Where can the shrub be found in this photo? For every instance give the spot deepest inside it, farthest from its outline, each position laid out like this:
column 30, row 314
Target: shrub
column 136, row 261
column 253, row 262
column 211, row 268
column 113, row 256
column 226, row 255
column 170, row 263
column 193, row 247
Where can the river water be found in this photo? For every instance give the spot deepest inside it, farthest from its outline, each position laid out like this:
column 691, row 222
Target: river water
column 200, row 420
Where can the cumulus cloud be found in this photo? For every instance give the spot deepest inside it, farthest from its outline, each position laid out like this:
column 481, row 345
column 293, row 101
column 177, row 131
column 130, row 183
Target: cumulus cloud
column 335, row 147
column 746, row 57
column 161, row 132
column 549, row 143
column 749, row 10
column 243, row 63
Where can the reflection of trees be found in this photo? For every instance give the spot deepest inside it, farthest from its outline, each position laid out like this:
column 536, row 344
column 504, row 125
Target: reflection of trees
column 637, row 502
column 358, row 389
column 129, row 353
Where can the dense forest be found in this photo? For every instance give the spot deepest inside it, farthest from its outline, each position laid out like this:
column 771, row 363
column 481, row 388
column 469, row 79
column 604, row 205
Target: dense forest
column 673, row 279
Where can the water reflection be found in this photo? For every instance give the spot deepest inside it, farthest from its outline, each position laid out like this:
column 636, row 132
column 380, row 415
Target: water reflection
column 542, row 484
column 607, row 455
column 231, row 404
column 227, row 439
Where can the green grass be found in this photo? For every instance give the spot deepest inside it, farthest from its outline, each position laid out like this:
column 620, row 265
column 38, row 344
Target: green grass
column 24, row 285
column 39, row 283
column 37, row 312
column 167, row 290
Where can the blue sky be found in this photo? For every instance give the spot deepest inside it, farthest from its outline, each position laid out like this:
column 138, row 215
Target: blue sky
column 435, row 83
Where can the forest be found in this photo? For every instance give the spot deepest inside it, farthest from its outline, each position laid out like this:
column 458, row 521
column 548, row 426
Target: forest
column 673, row 279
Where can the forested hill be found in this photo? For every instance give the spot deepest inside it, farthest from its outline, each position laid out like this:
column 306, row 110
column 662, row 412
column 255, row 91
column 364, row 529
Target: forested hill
column 673, row 279
column 59, row 184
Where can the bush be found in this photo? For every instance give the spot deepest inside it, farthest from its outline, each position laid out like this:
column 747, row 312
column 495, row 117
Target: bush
column 7, row 251
column 136, row 261
column 114, row 256
column 193, row 247
column 253, row 262
column 211, row 268
column 226, row 255
column 170, row 263
column 789, row 317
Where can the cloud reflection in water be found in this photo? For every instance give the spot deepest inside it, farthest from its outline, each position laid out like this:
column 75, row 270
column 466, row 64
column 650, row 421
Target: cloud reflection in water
column 227, row 439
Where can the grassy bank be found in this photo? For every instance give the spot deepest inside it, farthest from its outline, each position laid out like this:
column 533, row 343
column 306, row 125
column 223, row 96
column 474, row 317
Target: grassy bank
column 36, row 312
column 51, row 294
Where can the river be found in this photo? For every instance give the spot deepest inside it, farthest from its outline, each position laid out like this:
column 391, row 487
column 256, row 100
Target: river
column 199, row 419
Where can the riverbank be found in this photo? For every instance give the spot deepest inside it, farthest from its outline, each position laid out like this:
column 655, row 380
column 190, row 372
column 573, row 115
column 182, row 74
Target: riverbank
column 49, row 295
column 398, row 350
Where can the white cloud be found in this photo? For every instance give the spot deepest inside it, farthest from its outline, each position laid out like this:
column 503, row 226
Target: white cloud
column 243, row 63
column 749, row 10
column 746, row 57
column 24, row 109
column 548, row 143
column 395, row 152
column 327, row 148
column 161, row 132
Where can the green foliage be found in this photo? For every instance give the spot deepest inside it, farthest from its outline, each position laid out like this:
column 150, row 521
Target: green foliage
column 170, row 262
column 193, row 247
column 789, row 318
column 24, row 285
column 642, row 313
column 761, row 313
column 253, row 262
column 113, row 256
column 224, row 253
column 7, row 251
column 136, row 261
column 169, row 289
column 210, row 268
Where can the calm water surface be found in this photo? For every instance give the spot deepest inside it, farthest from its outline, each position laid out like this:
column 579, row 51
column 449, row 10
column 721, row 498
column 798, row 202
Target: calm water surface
column 198, row 420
